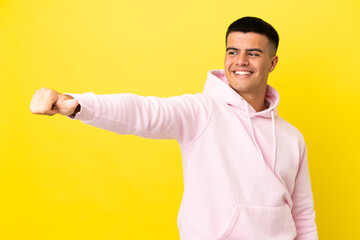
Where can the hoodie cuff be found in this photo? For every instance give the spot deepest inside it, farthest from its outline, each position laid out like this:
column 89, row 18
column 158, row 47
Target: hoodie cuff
column 88, row 106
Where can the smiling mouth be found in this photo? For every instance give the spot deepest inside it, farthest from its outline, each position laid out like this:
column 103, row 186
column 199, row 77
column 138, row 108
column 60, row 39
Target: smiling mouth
column 242, row 73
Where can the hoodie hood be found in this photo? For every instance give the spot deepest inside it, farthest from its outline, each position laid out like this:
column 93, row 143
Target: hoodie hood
column 218, row 86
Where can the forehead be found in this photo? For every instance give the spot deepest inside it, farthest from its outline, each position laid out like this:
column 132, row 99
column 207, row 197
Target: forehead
column 247, row 40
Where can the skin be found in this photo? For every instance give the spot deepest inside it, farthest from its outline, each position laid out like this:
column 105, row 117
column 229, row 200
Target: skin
column 49, row 102
column 251, row 52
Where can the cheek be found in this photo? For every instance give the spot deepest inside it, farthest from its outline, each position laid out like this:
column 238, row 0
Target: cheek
column 227, row 69
column 227, row 63
column 262, row 68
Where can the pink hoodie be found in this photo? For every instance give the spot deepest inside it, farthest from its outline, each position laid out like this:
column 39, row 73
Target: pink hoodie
column 245, row 172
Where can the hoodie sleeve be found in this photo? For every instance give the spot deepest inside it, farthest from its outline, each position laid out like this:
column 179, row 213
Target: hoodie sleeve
column 303, row 205
column 180, row 117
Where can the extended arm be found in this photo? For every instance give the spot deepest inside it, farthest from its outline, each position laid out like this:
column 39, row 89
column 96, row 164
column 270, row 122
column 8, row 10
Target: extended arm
column 181, row 117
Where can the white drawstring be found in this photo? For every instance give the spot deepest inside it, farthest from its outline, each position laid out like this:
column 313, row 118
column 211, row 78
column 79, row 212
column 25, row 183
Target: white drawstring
column 253, row 136
column 252, row 133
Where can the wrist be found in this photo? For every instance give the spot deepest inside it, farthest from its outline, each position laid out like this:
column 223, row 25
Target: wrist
column 77, row 109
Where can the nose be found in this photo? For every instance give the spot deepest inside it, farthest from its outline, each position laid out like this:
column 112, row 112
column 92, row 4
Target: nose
column 243, row 59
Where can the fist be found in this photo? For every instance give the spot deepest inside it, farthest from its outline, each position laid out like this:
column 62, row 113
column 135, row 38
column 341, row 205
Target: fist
column 49, row 102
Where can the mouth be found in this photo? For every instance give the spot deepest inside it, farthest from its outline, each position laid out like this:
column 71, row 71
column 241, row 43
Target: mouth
column 243, row 73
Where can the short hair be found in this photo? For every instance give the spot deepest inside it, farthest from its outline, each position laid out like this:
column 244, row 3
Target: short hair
column 256, row 25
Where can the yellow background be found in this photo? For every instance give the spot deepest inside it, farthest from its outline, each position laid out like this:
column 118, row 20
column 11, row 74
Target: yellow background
column 62, row 179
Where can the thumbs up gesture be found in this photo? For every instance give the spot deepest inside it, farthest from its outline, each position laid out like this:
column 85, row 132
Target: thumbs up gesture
column 49, row 102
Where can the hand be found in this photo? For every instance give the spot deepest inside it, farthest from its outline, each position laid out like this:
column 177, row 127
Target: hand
column 49, row 102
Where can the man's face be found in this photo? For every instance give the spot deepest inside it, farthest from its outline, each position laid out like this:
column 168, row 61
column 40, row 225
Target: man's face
column 249, row 59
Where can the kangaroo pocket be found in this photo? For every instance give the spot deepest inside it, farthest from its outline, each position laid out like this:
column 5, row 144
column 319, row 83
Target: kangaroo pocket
column 259, row 223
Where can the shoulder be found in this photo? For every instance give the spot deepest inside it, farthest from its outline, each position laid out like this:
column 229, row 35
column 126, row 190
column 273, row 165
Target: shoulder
column 289, row 131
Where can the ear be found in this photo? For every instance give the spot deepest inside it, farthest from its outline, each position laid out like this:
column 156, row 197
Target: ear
column 274, row 61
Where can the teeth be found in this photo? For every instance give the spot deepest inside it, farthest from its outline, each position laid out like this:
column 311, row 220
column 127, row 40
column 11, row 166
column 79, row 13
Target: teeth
column 242, row 73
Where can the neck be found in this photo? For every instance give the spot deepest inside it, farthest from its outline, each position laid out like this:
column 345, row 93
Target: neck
column 256, row 101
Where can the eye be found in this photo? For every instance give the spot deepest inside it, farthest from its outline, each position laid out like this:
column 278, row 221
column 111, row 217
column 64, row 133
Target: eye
column 232, row 53
column 253, row 54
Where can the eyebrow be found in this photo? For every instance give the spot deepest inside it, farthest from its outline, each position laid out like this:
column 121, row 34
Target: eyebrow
column 248, row 49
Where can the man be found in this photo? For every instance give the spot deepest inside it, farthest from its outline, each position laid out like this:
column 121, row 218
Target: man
column 245, row 168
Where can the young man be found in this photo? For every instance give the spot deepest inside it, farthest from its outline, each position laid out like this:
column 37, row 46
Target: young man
column 245, row 168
